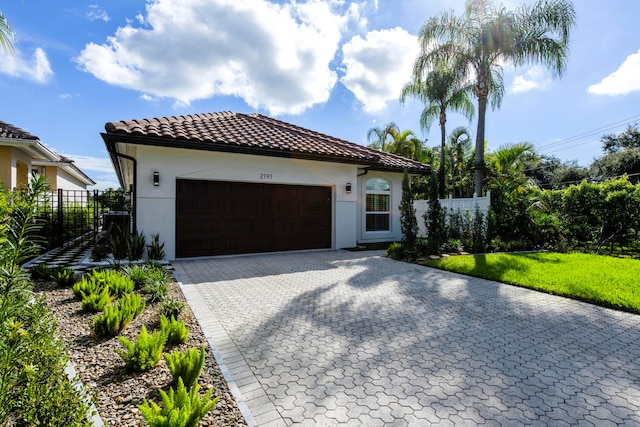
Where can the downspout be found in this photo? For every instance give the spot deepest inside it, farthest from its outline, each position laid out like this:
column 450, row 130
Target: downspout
column 134, row 191
column 366, row 171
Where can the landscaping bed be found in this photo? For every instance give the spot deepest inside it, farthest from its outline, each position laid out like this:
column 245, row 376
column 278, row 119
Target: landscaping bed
column 116, row 390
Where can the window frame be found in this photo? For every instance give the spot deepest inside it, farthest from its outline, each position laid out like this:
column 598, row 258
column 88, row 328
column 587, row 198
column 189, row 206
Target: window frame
column 368, row 212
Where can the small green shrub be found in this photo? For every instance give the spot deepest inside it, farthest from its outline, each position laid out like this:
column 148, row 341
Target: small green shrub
column 119, row 285
column 116, row 317
column 137, row 273
column 42, row 272
column 145, row 353
column 401, row 252
column 175, row 330
column 186, row 366
column 86, row 286
column 181, row 408
column 95, row 302
column 171, row 307
column 65, row 277
column 119, row 242
column 135, row 246
column 451, row 246
column 99, row 252
column 155, row 251
column 156, row 289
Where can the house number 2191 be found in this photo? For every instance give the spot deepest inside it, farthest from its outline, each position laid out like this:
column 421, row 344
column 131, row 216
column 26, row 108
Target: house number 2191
column 266, row 176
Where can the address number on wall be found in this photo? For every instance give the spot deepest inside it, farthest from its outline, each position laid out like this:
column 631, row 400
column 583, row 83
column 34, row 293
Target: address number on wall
column 266, row 176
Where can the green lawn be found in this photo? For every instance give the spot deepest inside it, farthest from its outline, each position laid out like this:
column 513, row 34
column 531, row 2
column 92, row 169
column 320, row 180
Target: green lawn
column 602, row 280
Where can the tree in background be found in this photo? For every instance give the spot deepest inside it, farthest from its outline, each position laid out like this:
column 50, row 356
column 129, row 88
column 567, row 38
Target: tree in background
column 460, row 153
column 622, row 156
column 442, row 89
column 392, row 140
column 551, row 173
column 380, row 138
column 484, row 38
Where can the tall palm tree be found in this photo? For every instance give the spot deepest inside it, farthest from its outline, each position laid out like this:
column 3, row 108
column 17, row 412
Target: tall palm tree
column 381, row 137
column 460, row 153
column 485, row 37
column 508, row 163
column 442, row 89
column 6, row 34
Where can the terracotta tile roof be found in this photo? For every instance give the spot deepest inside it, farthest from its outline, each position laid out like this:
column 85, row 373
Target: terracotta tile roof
column 259, row 134
column 10, row 131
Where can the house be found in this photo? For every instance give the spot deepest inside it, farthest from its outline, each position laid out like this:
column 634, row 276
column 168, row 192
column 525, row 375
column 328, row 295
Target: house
column 230, row 183
column 22, row 155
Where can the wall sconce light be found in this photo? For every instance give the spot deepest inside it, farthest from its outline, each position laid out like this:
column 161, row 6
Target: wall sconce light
column 156, row 179
column 348, row 188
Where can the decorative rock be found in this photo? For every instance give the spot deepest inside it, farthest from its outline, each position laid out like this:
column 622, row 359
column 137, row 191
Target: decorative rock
column 434, row 257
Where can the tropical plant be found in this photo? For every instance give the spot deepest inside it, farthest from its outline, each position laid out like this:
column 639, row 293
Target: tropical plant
column 484, row 38
column 441, row 90
column 65, row 277
column 175, row 330
column 95, row 302
column 460, row 152
column 6, row 34
column 380, row 138
column 408, row 221
column 116, row 317
column 145, row 353
column 181, row 408
column 186, row 366
column 171, row 307
column 155, row 251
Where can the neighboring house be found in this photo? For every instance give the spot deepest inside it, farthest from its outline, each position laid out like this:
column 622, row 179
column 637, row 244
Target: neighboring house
column 231, row 183
column 23, row 155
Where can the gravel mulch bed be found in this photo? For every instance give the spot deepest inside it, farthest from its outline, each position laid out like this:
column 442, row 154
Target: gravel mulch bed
column 117, row 392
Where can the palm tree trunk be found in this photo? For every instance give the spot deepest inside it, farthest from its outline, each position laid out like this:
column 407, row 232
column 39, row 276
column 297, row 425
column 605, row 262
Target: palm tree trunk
column 441, row 168
column 479, row 158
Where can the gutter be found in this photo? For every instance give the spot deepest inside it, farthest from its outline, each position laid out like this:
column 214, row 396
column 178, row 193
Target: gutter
column 111, row 148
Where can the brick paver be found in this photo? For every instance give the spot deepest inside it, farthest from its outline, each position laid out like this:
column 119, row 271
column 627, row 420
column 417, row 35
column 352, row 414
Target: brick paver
column 353, row 338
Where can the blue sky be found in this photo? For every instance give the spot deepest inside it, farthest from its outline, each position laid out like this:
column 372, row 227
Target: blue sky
column 334, row 66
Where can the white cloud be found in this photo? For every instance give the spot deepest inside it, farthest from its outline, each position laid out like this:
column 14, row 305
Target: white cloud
column 624, row 80
column 96, row 164
column 95, row 13
column 148, row 98
column 377, row 66
column 36, row 68
column 535, row 77
column 274, row 56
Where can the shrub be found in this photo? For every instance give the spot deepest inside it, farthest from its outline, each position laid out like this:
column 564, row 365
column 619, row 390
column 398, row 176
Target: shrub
column 171, row 307
column 137, row 273
column 185, row 366
column 135, row 246
column 99, row 252
column 119, row 242
column 145, row 353
column 175, row 330
column 119, row 285
column 65, row 277
column 157, row 289
column 155, row 251
column 95, row 302
column 451, row 246
column 181, row 408
column 86, row 286
column 42, row 272
column 116, row 317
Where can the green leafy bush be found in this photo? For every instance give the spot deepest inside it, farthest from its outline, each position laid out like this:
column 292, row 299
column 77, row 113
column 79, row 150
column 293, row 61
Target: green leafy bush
column 65, row 277
column 137, row 273
column 42, row 271
column 181, row 408
column 145, row 353
column 135, row 246
column 99, row 252
column 119, row 242
column 156, row 289
column 86, row 286
column 186, row 366
column 95, row 302
column 119, row 285
column 116, row 317
column 155, row 251
column 171, row 307
column 175, row 330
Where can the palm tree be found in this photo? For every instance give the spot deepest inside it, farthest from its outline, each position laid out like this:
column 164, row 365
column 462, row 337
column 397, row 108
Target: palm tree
column 381, row 137
column 508, row 163
column 460, row 153
column 441, row 90
column 485, row 37
column 406, row 144
column 6, row 34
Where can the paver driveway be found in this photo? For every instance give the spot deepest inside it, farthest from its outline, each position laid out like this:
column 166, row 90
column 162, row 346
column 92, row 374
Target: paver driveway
column 353, row 338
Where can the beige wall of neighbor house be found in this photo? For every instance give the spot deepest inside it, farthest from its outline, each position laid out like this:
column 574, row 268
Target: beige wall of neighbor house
column 22, row 174
column 51, row 174
column 156, row 208
column 5, row 167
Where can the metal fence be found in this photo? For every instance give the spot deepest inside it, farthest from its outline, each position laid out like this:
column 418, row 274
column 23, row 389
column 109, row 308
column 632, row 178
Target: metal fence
column 75, row 217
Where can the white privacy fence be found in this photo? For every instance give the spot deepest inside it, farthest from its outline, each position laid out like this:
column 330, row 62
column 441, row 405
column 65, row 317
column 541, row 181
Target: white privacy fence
column 452, row 205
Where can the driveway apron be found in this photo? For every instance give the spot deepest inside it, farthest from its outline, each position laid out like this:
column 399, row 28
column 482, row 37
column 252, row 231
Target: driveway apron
column 354, row 338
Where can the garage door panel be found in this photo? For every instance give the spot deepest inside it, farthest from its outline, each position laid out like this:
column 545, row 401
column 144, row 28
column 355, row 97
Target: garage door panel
column 219, row 217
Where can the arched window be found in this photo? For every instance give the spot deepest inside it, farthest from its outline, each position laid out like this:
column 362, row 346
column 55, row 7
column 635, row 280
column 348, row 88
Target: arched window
column 378, row 205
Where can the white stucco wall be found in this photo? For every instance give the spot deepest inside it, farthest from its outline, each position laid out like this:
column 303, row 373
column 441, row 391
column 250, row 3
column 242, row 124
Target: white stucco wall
column 156, row 205
column 67, row 182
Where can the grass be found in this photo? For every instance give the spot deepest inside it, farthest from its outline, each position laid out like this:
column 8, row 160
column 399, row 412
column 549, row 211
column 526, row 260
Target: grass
column 602, row 280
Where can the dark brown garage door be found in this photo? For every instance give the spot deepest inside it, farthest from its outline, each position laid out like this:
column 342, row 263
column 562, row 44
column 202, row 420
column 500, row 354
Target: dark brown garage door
column 222, row 218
